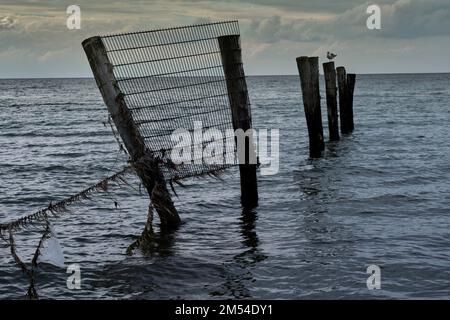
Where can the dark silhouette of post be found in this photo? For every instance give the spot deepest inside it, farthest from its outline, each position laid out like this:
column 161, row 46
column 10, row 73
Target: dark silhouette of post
column 344, row 107
column 145, row 165
column 230, row 50
column 331, row 92
column 308, row 68
column 351, row 79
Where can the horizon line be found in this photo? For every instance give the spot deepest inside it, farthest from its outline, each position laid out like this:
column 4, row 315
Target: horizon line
column 250, row 75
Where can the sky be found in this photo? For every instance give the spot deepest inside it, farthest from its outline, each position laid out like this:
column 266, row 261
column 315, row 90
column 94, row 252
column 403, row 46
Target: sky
column 414, row 34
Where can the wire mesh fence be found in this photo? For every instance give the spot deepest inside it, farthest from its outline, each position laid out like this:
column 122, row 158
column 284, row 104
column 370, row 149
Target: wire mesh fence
column 171, row 78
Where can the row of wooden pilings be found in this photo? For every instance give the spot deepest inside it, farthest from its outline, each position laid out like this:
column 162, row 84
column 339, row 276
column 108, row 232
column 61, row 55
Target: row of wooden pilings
column 308, row 68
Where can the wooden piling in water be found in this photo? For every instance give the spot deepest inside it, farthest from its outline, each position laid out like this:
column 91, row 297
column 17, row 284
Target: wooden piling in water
column 230, row 50
column 145, row 165
column 351, row 79
column 344, row 107
column 308, row 68
column 331, row 92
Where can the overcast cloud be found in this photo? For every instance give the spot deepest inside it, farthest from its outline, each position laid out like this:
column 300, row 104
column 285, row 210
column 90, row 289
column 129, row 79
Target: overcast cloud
column 415, row 34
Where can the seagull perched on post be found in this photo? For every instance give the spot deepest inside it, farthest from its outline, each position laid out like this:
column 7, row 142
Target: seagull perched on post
column 331, row 55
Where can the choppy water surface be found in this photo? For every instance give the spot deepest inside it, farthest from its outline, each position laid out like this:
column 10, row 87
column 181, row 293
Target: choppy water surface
column 379, row 196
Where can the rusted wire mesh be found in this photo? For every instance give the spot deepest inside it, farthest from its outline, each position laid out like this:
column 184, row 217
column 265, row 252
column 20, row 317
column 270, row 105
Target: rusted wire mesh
column 171, row 78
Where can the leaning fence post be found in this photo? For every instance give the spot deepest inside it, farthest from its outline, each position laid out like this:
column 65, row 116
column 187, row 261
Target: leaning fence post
column 351, row 79
column 331, row 91
column 146, row 166
column 344, row 111
column 308, row 68
column 230, row 50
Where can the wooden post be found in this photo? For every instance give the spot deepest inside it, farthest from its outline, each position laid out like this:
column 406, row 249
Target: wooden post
column 230, row 50
column 351, row 79
column 308, row 69
column 343, row 100
column 146, row 166
column 331, row 91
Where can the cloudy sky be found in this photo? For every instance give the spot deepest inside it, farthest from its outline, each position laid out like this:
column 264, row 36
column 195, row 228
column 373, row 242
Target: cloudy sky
column 415, row 34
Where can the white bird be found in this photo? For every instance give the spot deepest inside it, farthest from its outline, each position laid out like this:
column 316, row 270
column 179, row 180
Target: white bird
column 331, row 56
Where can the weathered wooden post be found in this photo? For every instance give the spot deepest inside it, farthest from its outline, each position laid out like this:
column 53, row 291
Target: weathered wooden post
column 146, row 166
column 308, row 68
column 230, row 50
column 331, row 91
column 351, row 79
column 344, row 111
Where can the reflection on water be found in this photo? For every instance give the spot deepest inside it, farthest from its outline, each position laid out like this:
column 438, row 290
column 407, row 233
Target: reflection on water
column 239, row 273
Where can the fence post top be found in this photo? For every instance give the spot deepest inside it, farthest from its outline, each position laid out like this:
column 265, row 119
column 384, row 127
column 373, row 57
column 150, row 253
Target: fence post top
column 231, row 36
column 90, row 40
column 301, row 58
